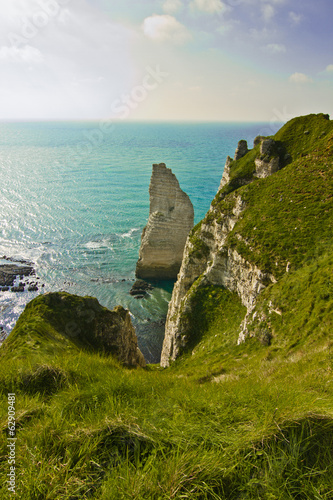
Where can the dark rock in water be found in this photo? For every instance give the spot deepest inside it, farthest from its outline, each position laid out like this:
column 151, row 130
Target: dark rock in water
column 17, row 289
column 20, row 261
column 140, row 289
column 138, row 293
column 33, row 288
column 5, row 288
column 9, row 272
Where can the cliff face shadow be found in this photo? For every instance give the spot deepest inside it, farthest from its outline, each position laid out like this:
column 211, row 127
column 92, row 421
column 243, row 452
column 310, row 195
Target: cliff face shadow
column 150, row 330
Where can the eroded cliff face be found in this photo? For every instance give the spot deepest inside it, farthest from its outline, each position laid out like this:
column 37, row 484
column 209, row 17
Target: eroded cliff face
column 170, row 220
column 210, row 260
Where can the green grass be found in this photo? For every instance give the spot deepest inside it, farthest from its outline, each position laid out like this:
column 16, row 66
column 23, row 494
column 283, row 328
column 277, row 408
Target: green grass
column 235, row 423
column 212, row 312
column 225, row 421
column 304, row 134
column 288, row 216
column 298, row 310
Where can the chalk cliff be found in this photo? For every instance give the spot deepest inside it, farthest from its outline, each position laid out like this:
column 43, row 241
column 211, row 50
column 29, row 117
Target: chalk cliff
column 208, row 260
column 246, row 242
column 170, row 220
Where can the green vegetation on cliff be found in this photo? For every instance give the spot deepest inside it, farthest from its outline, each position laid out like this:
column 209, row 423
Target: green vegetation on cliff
column 288, row 216
column 58, row 322
column 225, row 421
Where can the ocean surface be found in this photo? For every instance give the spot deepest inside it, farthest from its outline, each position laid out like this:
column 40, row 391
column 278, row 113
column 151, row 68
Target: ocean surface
column 74, row 201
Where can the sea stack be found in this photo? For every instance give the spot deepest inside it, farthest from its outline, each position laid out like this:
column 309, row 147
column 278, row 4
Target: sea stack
column 171, row 217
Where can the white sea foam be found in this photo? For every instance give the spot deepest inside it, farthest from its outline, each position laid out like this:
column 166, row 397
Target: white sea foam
column 130, row 233
column 94, row 245
column 103, row 243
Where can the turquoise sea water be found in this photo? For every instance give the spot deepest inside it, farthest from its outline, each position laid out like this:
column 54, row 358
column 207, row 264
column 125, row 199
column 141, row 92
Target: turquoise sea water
column 74, row 201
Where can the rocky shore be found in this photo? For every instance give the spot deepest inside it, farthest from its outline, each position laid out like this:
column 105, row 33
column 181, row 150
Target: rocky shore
column 18, row 270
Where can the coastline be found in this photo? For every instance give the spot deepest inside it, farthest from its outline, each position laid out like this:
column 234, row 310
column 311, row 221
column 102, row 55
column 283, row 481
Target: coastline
column 19, row 284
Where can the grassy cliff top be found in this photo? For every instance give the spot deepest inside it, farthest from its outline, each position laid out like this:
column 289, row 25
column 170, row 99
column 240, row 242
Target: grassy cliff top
column 59, row 322
column 288, row 216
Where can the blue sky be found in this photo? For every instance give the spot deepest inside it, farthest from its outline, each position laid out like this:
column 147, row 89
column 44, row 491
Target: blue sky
column 197, row 60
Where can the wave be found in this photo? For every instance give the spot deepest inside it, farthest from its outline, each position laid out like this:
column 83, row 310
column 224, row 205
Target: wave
column 132, row 232
column 96, row 245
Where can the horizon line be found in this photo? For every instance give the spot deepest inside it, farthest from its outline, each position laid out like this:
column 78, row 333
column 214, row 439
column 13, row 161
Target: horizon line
column 138, row 121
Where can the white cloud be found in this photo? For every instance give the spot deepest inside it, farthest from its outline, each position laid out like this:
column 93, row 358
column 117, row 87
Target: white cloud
column 225, row 29
column 255, row 3
column 172, row 6
column 165, row 28
column 299, row 78
column 295, row 18
column 260, row 35
column 209, row 6
column 268, row 12
column 275, row 48
column 82, row 46
column 329, row 68
column 26, row 54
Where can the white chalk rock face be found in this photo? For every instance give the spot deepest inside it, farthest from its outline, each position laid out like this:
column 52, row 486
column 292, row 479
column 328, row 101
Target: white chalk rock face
column 171, row 217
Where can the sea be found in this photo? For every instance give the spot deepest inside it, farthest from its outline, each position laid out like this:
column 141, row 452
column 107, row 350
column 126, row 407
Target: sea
column 74, row 200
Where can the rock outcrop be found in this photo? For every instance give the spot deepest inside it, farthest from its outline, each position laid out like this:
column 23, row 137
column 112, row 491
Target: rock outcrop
column 268, row 163
column 241, row 150
column 170, row 220
column 57, row 321
column 269, row 159
column 226, row 172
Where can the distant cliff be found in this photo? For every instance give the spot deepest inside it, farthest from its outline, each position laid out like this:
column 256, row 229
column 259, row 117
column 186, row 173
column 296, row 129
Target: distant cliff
column 260, row 227
column 170, row 221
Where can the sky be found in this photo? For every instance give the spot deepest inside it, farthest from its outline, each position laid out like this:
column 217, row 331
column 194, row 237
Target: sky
column 165, row 60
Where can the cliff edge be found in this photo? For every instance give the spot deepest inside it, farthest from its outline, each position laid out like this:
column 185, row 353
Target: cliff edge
column 271, row 216
column 170, row 220
column 59, row 321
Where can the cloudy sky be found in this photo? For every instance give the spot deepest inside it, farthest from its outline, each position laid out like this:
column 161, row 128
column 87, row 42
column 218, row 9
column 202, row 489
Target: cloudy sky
column 211, row 60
